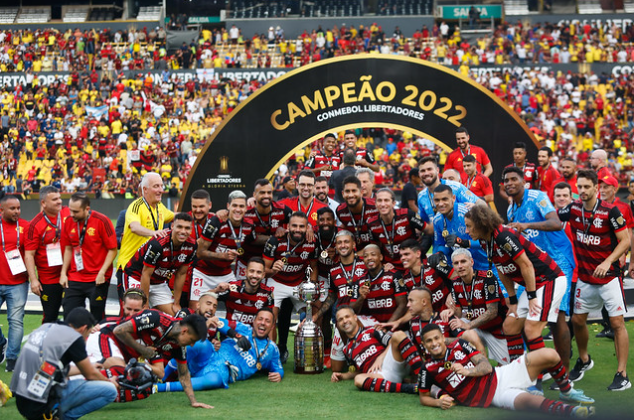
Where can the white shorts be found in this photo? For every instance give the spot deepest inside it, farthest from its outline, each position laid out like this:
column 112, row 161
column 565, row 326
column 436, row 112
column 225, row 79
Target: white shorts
column 497, row 347
column 513, row 379
column 591, row 297
column 324, row 286
column 100, row 347
column 160, row 294
column 241, row 270
column 202, row 282
column 336, row 350
column 282, row 291
column 394, row 371
column 549, row 298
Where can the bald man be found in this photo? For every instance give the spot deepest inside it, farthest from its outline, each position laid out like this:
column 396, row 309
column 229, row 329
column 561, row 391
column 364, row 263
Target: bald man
column 599, row 163
column 452, row 175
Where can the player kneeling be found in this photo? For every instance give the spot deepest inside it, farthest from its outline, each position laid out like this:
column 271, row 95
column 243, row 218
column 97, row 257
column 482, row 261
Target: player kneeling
column 380, row 364
column 466, row 376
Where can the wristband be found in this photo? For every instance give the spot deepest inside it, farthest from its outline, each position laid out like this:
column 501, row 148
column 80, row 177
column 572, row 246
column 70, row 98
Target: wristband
column 531, row 295
column 513, row 300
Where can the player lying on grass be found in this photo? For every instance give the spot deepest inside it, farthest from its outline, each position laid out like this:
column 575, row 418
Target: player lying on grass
column 382, row 359
column 247, row 351
column 465, row 376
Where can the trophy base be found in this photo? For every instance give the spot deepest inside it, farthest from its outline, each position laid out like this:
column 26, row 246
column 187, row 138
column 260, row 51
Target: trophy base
column 307, row 371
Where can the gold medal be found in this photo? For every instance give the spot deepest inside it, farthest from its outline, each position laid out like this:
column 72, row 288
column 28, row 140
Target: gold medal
column 240, row 251
column 448, row 365
column 284, row 260
column 233, row 287
column 258, row 365
column 324, row 254
column 445, row 233
column 469, row 315
column 490, row 273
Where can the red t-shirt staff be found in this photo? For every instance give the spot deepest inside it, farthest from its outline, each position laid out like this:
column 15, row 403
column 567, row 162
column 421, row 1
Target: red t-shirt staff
column 89, row 244
column 43, row 251
column 13, row 276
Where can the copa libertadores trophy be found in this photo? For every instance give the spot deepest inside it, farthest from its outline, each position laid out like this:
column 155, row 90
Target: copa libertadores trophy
column 309, row 340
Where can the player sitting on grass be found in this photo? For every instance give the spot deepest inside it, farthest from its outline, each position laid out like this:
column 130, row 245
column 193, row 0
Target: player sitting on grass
column 247, row 351
column 465, row 376
column 382, row 359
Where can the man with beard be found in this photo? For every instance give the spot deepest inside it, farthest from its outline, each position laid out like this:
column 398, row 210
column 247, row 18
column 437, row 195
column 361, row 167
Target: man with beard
column 158, row 260
column 355, row 212
column 393, row 226
column 201, row 213
column 306, row 202
column 247, row 351
column 285, row 264
column 455, row 158
column 382, row 295
column 322, row 191
column 547, row 175
column 90, row 246
column 14, row 285
column 364, row 158
column 220, row 244
column 428, row 170
column 381, row 359
column 343, row 277
column 43, row 252
column 323, row 163
column 449, row 229
column 244, row 298
column 568, row 168
column 465, row 375
column 601, row 237
column 269, row 218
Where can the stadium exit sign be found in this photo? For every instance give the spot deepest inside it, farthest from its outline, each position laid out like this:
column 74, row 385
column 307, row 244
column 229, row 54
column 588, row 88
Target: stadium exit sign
column 462, row 12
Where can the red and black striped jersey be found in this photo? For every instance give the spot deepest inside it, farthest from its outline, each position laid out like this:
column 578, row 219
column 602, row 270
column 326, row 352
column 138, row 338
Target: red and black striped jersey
column 508, row 245
column 594, row 235
column 242, row 306
column 474, row 297
column 357, row 223
column 266, row 224
column 197, row 231
column 151, row 328
column 345, row 280
column 436, row 280
column 224, row 237
column 530, row 174
column 298, row 257
column 472, row 391
column 416, row 324
column 390, row 236
column 363, row 349
column 320, row 160
column 325, row 264
column 197, row 228
column 380, row 303
column 163, row 256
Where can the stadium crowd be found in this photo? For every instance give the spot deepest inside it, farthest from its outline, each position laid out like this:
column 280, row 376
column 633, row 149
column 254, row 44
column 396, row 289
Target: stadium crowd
column 49, row 49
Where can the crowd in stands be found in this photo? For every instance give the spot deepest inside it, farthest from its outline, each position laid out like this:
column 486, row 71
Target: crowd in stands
column 100, row 132
column 519, row 43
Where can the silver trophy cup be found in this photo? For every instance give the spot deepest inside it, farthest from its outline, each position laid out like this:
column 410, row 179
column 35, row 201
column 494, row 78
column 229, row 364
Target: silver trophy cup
column 309, row 340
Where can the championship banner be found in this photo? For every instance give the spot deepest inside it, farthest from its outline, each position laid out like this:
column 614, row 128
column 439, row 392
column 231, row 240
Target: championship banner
column 350, row 92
